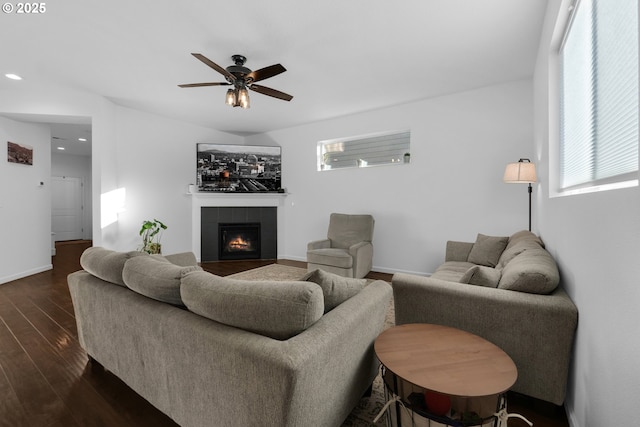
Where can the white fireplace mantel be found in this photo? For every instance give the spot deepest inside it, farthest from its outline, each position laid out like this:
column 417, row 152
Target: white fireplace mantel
column 202, row 200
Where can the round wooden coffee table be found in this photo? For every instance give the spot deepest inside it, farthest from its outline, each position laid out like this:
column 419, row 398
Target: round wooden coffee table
column 444, row 360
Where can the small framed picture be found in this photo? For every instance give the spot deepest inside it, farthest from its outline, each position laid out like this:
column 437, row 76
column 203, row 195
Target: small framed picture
column 18, row 153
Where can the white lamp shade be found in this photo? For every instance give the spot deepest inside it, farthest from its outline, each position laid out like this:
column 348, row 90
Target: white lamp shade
column 520, row 172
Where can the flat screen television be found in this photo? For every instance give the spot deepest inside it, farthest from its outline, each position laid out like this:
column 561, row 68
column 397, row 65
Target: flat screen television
column 238, row 168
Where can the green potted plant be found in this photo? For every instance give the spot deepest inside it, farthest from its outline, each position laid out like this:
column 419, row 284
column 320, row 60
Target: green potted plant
column 151, row 233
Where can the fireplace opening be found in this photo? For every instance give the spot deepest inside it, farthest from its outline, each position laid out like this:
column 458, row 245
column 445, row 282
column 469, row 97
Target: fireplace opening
column 239, row 241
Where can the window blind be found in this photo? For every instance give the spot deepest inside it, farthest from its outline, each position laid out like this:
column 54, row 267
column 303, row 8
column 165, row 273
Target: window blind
column 599, row 94
column 363, row 151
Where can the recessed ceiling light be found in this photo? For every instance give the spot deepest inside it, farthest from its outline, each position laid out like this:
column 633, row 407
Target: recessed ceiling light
column 13, row 76
column 82, row 139
column 60, row 148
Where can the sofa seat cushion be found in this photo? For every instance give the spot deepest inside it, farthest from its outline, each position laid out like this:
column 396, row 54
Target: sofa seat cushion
column 487, row 250
column 481, row 275
column 452, row 271
column 533, row 271
column 155, row 277
column 336, row 289
column 276, row 309
column 330, row 256
column 106, row 264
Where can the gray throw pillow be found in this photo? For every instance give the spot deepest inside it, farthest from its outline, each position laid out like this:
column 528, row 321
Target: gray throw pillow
column 481, row 275
column 155, row 277
column 336, row 289
column 276, row 309
column 487, row 250
column 106, row 264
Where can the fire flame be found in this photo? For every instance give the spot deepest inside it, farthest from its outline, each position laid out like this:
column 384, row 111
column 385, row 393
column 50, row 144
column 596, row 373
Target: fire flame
column 239, row 244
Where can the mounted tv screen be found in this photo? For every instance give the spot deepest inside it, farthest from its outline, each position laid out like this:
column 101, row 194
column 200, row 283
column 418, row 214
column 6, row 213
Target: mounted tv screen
column 238, row 168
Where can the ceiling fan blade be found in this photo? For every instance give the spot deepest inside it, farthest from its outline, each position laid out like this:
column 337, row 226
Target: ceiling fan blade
column 215, row 66
column 271, row 92
column 205, row 84
column 265, row 73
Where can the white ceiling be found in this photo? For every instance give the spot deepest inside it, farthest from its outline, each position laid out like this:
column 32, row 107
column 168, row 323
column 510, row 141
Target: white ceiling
column 342, row 56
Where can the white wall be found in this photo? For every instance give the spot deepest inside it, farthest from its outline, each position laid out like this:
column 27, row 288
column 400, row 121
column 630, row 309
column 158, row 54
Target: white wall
column 594, row 237
column 452, row 189
column 25, row 242
column 153, row 157
column 156, row 160
column 43, row 101
column 77, row 167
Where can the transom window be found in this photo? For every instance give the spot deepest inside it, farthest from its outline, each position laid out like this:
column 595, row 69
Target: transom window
column 389, row 148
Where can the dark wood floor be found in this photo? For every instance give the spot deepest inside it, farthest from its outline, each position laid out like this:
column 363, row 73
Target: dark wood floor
column 45, row 377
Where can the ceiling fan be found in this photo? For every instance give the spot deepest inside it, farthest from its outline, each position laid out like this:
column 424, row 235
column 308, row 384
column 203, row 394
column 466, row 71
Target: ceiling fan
column 242, row 78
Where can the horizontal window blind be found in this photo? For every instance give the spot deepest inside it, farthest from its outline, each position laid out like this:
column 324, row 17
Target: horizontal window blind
column 599, row 94
column 364, row 151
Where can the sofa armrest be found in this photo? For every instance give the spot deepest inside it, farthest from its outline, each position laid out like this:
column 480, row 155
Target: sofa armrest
column 342, row 342
column 362, row 253
column 537, row 331
column 458, row 251
column 319, row 244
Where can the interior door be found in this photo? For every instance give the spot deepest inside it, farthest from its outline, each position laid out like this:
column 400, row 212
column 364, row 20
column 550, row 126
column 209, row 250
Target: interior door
column 66, row 208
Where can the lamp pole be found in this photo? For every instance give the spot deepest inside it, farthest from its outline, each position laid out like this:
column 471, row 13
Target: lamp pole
column 530, row 191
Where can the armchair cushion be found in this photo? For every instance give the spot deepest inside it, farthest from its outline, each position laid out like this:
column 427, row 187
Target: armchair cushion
column 336, row 289
column 487, row 250
column 319, row 244
column 347, row 230
column 330, row 256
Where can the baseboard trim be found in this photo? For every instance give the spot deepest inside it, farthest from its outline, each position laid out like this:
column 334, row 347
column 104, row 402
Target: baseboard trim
column 375, row 268
column 23, row 274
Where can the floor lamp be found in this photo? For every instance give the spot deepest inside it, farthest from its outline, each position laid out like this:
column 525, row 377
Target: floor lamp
column 521, row 172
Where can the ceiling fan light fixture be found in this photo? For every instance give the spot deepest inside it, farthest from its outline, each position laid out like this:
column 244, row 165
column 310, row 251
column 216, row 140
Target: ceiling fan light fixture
column 231, row 97
column 243, row 98
column 242, row 79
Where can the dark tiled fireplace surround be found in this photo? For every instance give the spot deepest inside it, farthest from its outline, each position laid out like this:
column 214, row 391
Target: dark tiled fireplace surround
column 212, row 217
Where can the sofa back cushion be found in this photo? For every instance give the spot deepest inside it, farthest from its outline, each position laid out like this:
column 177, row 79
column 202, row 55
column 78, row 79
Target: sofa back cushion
column 336, row 289
column 155, row 277
column 533, row 271
column 106, row 264
column 524, row 235
column 518, row 243
column 183, row 259
column 276, row 309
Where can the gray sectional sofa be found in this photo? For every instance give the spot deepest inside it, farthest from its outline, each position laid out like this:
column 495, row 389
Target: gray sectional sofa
column 207, row 350
column 506, row 290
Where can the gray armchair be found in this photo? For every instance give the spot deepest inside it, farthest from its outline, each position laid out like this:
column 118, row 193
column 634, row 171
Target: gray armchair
column 347, row 250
